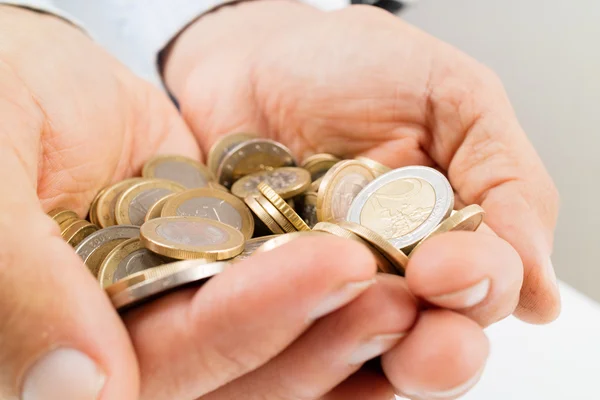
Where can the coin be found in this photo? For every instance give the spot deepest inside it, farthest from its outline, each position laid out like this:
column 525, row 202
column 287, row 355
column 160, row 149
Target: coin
column 377, row 168
column 62, row 215
column 318, row 164
column 212, row 204
column 281, row 220
column 125, row 259
column 396, row 257
column 108, row 200
column 283, row 207
column 263, row 215
column 467, row 219
column 218, row 186
column 191, row 237
column 404, row 205
column 132, row 205
column 309, row 209
column 252, row 156
column 287, row 182
column 186, row 171
column 280, row 240
column 148, row 284
column 222, row 147
column 339, row 187
column 155, row 209
column 251, row 245
column 94, row 248
column 77, row 231
column 383, row 264
column 314, row 187
column 93, row 213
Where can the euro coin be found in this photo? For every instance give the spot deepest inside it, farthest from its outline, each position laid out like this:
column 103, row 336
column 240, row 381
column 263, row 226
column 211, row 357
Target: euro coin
column 309, row 209
column 318, row 164
column 62, row 215
column 263, row 216
column 125, row 259
column 93, row 213
column 377, row 168
column 287, row 182
column 280, row 240
column 281, row 220
column 94, row 248
column 253, row 156
column 218, row 186
column 339, row 187
column 404, row 205
column 284, row 208
column 468, row 219
column 151, row 283
column 314, row 186
column 77, row 231
column 186, row 171
column 155, row 209
column 251, row 245
column 108, row 200
column 191, row 237
column 133, row 204
column 222, row 147
column 212, row 204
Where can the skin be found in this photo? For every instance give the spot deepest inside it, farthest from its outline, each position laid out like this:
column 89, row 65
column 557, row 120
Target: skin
column 374, row 87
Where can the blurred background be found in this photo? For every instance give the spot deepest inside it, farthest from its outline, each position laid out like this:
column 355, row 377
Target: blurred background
column 547, row 54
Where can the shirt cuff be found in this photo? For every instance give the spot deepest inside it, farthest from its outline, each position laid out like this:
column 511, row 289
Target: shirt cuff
column 44, row 6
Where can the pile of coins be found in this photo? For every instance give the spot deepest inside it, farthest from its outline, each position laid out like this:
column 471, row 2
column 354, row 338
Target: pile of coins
column 183, row 222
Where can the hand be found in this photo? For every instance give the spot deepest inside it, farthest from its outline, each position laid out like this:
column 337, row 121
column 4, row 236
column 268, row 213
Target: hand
column 361, row 82
column 72, row 120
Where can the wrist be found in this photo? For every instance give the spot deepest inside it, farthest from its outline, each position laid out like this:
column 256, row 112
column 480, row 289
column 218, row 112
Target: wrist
column 240, row 28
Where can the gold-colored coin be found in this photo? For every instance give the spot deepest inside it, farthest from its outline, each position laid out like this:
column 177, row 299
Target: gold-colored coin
column 468, row 219
column 95, row 260
column 93, row 213
column 263, row 215
column 287, row 182
column 133, row 204
column 396, row 257
column 125, row 259
column 107, row 201
column 222, row 147
column 280, row 240
column 212, row 204
column 62, row 215
column 319, row 164
column 251, row 245
column 283, row 207
column 185, row 238
column 155, row 209
column 218, row 186
column 377, row 168
column 183, row 170
column 314, row 187
column 339, row 187
column 309, row 209
column 78, row 231
column 383, row 264
column 275, row 214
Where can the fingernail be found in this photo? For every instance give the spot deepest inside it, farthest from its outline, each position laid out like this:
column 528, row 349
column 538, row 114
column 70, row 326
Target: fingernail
column 551, row 272
column 374, row 347
column 340, row 298
column 447, row 394
column 464, row 298
column 63, row 374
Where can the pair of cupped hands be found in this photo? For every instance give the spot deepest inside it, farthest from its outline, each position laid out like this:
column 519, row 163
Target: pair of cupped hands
column 296, row 323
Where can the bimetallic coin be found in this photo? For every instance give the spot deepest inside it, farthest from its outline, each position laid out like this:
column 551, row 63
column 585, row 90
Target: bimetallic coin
column 133, row 204
column 77, row 231
column 218, row 186
column 287, row 182
column 284, row 208
column 155, row 209
column 377, row 168
column 309, row 209
column 191, row 237
column 222, row 147
column 186, row 171
column 263, row 215
column 212, row 204
column 280, row 240
column 251, row 245
column 151, row 283
column 468, row 219
column 94, row 248
column 318, row 164
column 108, row 200
column 126, row 259
column 62, row 215
column 253, row 156
column 93, row 213
column 339, row 187
column 404, row 205
column 281, row 220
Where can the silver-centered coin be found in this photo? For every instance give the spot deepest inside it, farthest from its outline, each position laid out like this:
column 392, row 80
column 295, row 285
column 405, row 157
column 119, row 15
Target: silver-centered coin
column 404, row 205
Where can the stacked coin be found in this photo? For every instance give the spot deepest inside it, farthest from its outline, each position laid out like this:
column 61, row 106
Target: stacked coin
column 252, row 198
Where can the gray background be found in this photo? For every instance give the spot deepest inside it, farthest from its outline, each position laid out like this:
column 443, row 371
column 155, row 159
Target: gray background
column 547, row 52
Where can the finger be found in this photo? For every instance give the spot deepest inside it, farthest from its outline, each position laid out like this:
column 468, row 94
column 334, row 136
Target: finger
column 334, row 348
column 478, row 274
column 442, row 357
column 365, row 385
column 245, row 316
